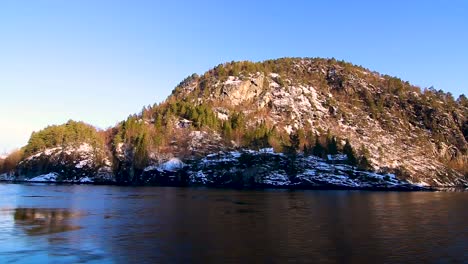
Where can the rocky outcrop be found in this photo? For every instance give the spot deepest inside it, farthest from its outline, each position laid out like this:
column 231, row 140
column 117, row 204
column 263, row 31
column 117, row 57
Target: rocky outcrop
column 267, row 169
column 408, row 137
column 81, row 163
column 237, row 90
column 418, row 133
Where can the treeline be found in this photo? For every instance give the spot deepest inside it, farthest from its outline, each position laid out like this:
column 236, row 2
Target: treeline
column 165, row 127
column 71, row 133
column 343, row 75
column 155, row 129
column 309, row 143
column 385, row 97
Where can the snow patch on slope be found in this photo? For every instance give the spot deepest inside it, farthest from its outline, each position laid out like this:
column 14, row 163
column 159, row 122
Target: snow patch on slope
column 174, row 164
column 49, row 177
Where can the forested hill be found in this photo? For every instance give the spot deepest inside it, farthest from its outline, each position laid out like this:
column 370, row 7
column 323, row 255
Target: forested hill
column 328, row 110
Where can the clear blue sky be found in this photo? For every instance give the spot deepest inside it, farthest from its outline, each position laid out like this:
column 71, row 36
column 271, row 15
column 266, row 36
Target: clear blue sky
column 99, row 61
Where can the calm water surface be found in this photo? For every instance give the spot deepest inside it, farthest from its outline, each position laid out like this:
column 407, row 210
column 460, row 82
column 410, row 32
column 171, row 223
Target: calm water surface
column 109, row 224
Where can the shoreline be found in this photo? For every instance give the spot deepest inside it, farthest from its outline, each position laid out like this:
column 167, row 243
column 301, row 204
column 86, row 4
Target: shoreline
column 409, row 188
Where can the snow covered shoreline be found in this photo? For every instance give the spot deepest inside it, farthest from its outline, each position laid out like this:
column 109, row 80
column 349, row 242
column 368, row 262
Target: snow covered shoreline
column 266, row 187
column 246, row 169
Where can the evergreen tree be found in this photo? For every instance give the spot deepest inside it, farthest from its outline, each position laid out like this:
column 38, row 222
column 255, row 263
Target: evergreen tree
column 363, row 161
column 294, row 138
column 71, row 133
column 349, row 151
column 141, row 151
column 227, row 129
column 318, row 149
column 306, row 150
column 260, row 142
column 332, row 145
column 259, row 137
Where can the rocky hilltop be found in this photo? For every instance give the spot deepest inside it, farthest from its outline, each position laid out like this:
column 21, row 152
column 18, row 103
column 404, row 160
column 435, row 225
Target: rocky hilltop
column 292, row 122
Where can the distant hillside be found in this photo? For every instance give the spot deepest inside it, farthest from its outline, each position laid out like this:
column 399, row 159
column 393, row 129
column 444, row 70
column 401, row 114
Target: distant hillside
column 300, row 107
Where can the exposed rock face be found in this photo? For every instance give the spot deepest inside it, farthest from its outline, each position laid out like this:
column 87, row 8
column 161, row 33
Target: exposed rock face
column 408, row 135
column 402, row 128
column 265, row 168
column 237, row 91
column 82, row 163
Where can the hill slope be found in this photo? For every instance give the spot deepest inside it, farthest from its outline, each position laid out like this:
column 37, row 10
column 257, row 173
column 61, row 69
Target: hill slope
column 299, row 107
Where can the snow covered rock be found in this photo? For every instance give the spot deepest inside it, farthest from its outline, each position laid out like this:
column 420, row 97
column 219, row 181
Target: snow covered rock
column 74, row 163
column 265, row 168
column 49, row 177
column 172, row 165
column 7, row 177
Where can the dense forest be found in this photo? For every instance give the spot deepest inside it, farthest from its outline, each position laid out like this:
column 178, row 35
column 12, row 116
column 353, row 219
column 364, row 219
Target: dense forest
column 71, row 133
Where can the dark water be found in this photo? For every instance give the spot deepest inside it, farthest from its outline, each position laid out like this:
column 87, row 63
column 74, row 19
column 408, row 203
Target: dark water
column 107, row 224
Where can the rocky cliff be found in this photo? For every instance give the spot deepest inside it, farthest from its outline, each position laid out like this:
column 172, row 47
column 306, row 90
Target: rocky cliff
column 422, row 134
column 306, row 111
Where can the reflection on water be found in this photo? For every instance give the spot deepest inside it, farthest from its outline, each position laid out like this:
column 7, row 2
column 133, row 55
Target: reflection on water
column 39, row 235
column 184, row 225
column 40, row 221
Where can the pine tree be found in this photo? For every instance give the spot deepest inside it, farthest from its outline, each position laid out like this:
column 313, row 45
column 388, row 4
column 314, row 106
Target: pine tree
column 363, row 161
column 332, row 145
column 306, row 150
column 294, row 138
column 227, row 129
column 141, row 151
column 349, row 151
column 318, row 149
